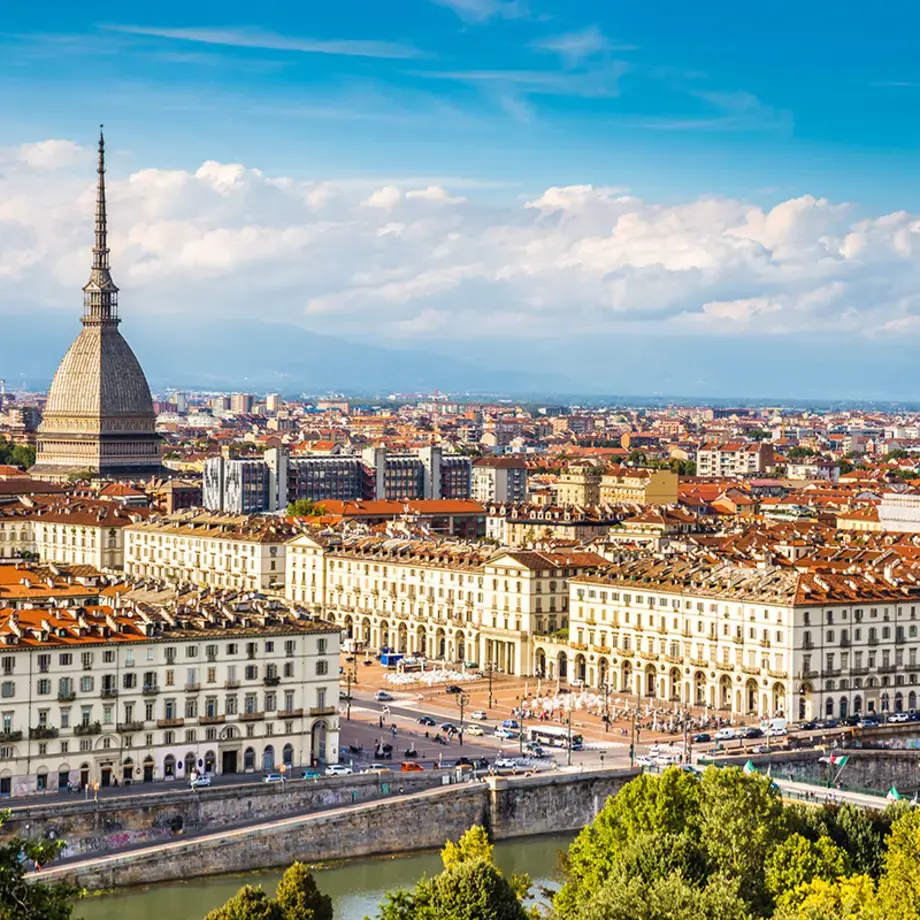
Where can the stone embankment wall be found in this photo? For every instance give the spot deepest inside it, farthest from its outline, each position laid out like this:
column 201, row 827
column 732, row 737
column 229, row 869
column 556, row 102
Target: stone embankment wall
column 874, row 770
column 111, row 824
column 508, row 807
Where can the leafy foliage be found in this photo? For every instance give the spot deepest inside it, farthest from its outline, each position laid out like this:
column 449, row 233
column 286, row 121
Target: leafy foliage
column 22, row 899
column 297, row 898
column 20, row 455
column 304, row 507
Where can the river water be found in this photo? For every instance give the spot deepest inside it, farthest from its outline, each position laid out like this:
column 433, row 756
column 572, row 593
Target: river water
column 356, row 887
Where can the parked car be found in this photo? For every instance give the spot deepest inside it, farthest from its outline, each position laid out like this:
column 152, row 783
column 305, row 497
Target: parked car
column 310, row 774
column 701, row 738
column 339, row 769
column 273, row 778
column 827, row 723
column 203, row 779
column 810, row 725
column 726, row 734
column 505, row 763
column 868, row 722
column 410, row 766
column 474, row 730
column 452, row 688
column 382, row 696
column 913, row 716
column 479, row 714
column 776, row 732
column 426, row 720
column 750, row 732
column 899, row 717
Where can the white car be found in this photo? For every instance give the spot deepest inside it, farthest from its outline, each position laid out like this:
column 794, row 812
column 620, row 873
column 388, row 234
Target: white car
column 502, row 732
column 273, row 778
column 381, row 696
column 475, row 730
column 725, row 734
column 505, row 763
column 203, row 780
column 776, row 732
column 645, row 761
column 375, row 768
column 339, row 769
column 899, row 717
column 479, row 714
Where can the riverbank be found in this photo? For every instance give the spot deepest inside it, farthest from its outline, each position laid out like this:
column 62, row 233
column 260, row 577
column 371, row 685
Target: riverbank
column 356, row 886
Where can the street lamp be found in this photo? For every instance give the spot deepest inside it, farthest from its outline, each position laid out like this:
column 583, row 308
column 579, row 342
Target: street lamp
column 351, row 677
column 568, row 745
column 605, row 687
column 462, row 700
column 491, row 668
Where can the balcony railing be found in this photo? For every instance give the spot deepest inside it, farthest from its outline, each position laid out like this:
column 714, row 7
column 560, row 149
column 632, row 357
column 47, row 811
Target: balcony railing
column 109, row 693
column 192, row 687
column 10, row 737
column 150, row 690
column 130, row 726
column 170, row 723
column 252, row 716
column 272, row 681
column 231, row 684
column 67, row 696
column 290, row 713
column 88, row 728
column 322, row 710
column 211, row 720
column 41, row 732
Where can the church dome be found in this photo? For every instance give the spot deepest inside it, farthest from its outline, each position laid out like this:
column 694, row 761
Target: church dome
column 99, row 377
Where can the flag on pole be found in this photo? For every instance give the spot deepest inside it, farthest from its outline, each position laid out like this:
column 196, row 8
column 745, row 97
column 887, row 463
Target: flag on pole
column 839, row 760
column 749, row 768
column 894, row 795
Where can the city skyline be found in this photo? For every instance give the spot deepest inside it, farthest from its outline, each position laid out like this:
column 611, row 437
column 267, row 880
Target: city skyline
column 532, row 198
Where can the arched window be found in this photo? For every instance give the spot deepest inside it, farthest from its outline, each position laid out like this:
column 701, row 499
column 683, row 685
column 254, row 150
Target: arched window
column 287, row 755
column 169, row 766
column 249, row 759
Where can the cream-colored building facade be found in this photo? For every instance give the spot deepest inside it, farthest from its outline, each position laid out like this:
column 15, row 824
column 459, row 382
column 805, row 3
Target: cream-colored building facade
column 742, row 640
column 140, row 694
column 452, row 601
column 640, row 486
column 213, row 550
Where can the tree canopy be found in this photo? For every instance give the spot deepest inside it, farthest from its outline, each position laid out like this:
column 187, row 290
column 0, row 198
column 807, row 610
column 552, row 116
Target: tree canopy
column 296, row 898
column 20, row 455
column 24, row 899
column 304, row 507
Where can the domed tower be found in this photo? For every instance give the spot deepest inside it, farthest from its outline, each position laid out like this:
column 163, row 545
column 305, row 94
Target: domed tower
column 99, row 416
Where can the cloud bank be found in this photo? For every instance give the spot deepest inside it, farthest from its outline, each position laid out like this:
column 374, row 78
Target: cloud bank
column 419, row 261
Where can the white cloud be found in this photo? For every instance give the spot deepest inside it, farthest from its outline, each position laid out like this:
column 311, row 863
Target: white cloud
column 51, row 154
column 576, row 47
column 410, row 258
column 481, row 10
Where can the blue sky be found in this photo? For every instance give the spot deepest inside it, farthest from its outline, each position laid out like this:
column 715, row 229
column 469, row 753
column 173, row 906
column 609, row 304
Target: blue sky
column 514, row 182
column 669, row 99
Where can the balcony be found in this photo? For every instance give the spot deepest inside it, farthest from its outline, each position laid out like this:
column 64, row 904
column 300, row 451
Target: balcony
column 211, row 720
column 130, row 726
column 290, row 713
column 699, row 662
column 322, row 710
column 109, row 693
column 738, row 640
column 192, row 688
column 831, row 672
column 859, row 670
column 170, row 723
column 88, row 728
column 873, row 640
column 231, row 684
column 252, row 716
column 41, row 732
column 150, row 690
column 765, row 643
column 67, row 696
column 271, row 681
column 10, row 737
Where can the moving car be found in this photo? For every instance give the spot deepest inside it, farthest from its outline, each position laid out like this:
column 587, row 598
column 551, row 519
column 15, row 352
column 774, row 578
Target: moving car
column 310, row 774
column 534, row 750
column 501, row 732
column 701, row 738
column 510, row 723
column 725, row 734
column 381, row 696
column 203, row 780
column 452, row 688
column 449, row 727
column 409, row 766
column 273, row 778
column 474, row 730
column 505, row 763
column 426, row 720
column 375, row 768
column 899, row 717
column 339, row 769
column 479, row 714
column 868, row 722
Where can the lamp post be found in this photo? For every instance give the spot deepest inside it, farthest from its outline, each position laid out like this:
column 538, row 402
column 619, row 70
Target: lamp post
column 462, row 700
column 491, row 668
column 351, row 677
column 568, row 745
column 605, row 687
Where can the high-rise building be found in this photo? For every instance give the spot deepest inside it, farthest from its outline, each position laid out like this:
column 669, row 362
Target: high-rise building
column 181, row 403
column 499, row 479
column 99, row 416
column 273, row 402
column 242, row 403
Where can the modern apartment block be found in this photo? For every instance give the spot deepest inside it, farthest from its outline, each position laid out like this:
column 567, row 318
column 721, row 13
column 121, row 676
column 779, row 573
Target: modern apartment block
column 734, row 459
column 499, row 479
column 270, row 483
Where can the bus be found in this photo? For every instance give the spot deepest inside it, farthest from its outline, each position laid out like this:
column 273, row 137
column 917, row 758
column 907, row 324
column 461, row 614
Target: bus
column 554, row 736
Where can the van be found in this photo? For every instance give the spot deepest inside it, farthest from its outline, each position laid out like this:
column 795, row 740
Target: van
column 409, row 766
column 725, row 734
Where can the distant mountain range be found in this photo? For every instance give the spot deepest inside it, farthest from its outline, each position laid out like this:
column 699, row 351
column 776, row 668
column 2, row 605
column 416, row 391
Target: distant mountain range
column 235, row 354
column 249, row 355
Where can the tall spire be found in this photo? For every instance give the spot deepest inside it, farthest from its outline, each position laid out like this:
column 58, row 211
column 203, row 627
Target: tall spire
column 100, row 295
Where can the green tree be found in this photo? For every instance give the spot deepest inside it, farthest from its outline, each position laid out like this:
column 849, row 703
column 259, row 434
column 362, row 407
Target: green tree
column 797, row 861
column 741, row 820
column 248, row 904
column 299, row 898
column 474, row 844
column 851, row 898
column 304, row 507
column 862, row 834
column 899, row 887
column 758, row 434
column 637, row 457
column 798, row 452
column 669, row 898
column 22, row 899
